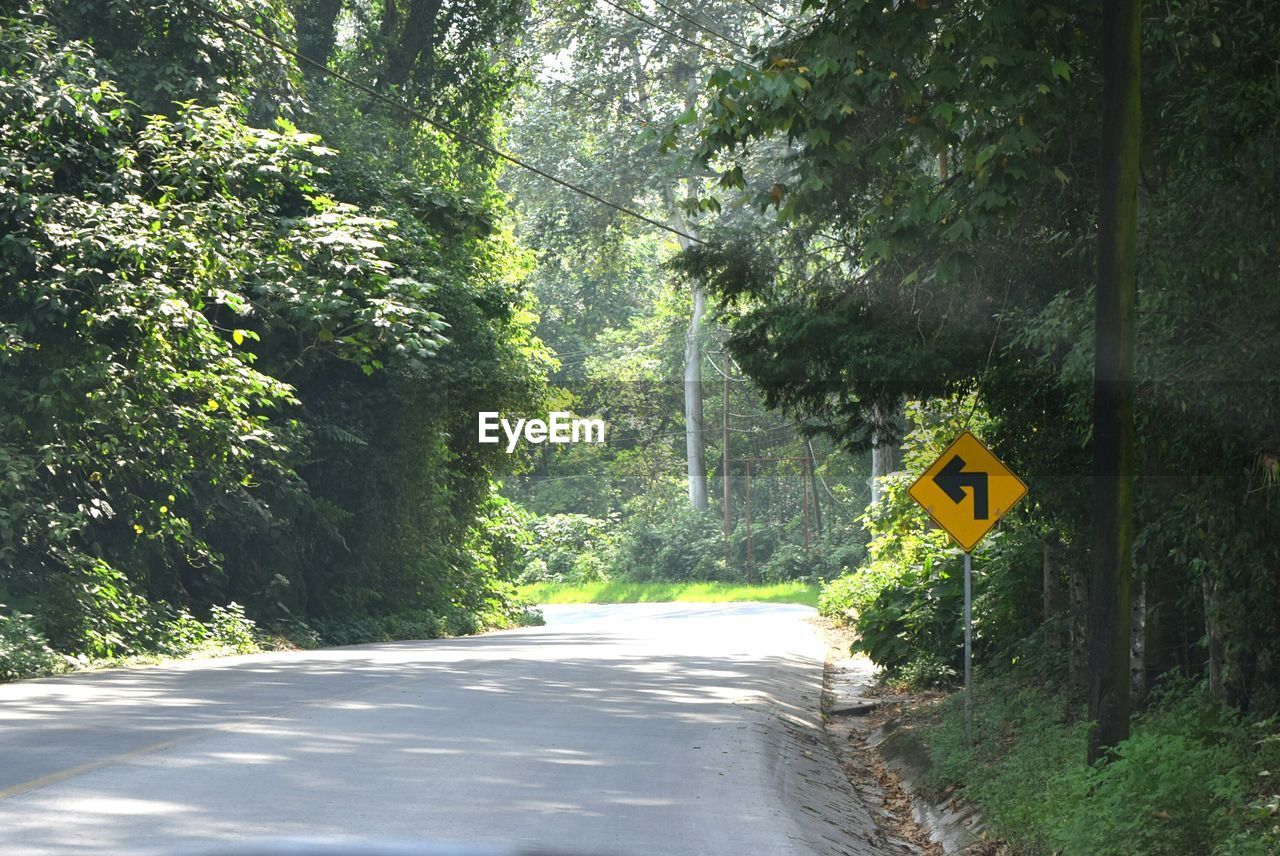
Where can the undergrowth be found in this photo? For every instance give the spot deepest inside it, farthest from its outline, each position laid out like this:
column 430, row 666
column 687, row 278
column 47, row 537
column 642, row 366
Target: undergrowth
column 651, row 592
column 1193, row 778
column 25, row 651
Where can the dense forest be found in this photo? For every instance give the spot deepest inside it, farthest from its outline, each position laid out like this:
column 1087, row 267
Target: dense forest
column 264, row 261
column 249, row 317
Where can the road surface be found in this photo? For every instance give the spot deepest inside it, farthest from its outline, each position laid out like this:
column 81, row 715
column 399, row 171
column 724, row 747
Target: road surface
column 631, row 729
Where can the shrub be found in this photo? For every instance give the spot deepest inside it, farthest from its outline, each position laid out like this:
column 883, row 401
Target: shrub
column 846, row 597
column 231, row 630
column 412, row 624
column 560, row 541
column 676, row 544
column 1190, row 779
column 1160, row 793
column 831, row 560
column 787, row 562
column 24, row 652
column 917, row 618
column 182, row 633
column 587, row 568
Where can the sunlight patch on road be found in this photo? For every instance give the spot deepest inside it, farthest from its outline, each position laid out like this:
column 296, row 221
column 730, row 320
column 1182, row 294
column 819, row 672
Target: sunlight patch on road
column 123, row 806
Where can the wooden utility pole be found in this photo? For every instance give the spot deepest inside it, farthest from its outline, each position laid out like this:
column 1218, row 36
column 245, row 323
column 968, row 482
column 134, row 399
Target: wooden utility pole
column 813, row 486
column 1109, row 589
column 804, row 484
column 751, row 556
column 724, row 466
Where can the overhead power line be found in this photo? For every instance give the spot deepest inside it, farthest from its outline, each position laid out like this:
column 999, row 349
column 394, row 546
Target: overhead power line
column 449, row 130
column 708, row 30
column 648, row 22
column 763, row 11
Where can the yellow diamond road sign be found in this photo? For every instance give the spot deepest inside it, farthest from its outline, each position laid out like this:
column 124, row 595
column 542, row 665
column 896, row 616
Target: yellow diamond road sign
column 967, row 490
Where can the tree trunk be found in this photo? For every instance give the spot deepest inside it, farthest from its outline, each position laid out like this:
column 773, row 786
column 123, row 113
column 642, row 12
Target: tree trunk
column 693, row 439
column 884, row 445
column 315, row 23
column 1138, row 645
column 1112, row 560
column 406, row 46
column 1052, row 606
column 1079, row 667
column 1213, row 631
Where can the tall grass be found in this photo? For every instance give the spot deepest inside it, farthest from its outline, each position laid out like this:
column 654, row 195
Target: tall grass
column 629, row 592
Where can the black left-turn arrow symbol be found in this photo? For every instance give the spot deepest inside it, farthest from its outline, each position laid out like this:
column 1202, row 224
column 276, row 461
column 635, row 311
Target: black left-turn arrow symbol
column 953, row 480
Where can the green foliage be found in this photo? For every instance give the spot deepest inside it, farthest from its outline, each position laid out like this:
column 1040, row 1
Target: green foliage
column 823, row 560
column 170, row 51
column 230, row 629
column 623, row 591
column 678, row 544
column 939, row 185
column 1180, row 784
column 408, row 624
column 240, row 364
column 846, row 597
column 568, row 548
column 1186, row 786
column 144, row 631
column 905, row 599
column 915, row 621
column 24, row 652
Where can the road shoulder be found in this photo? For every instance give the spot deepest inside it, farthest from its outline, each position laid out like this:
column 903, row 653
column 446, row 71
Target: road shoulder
column 855, row 709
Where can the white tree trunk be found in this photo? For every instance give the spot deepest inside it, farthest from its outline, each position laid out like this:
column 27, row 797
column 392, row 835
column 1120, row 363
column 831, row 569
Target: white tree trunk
column 1138, row 644
column 695, row 450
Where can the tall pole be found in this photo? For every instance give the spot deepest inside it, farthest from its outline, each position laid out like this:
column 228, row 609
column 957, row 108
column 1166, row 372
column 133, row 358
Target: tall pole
column 724, row 466
column 968, row 648
column 1114, row 330
column 751, row 558
column 813, row 486
column 804, row 483
column 695, row 453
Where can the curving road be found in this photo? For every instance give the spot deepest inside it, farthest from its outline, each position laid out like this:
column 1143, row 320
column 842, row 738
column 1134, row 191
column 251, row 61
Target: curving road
column 634, row 729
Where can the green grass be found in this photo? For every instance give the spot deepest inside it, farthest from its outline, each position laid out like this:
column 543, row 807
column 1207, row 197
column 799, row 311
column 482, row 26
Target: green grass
column 1191, row 779
column 628, row 592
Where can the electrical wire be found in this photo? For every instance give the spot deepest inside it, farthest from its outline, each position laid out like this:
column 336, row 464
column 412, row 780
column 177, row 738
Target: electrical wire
column 649, row 122
column 719, row 35
column 441, row 126
column 768, row 14
column 670, row 32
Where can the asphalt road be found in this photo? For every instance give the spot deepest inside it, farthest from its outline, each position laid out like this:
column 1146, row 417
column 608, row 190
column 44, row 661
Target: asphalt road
column 636, row 729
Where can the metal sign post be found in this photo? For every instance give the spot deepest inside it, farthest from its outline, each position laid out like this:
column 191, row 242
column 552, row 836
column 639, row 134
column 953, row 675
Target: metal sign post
column 966, row 491
column 968, row 647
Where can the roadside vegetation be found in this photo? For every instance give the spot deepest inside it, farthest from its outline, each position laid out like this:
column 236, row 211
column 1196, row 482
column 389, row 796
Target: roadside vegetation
column 900, row 208
column 249, row 313
column 629, row 592
column 1194, row 777
column 247, row 322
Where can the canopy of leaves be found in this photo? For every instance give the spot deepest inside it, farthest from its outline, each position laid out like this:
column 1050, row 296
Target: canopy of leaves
column 225, row 339
column 939, row 192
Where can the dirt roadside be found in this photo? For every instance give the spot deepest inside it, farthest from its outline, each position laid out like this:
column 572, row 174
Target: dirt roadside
column 857, row 711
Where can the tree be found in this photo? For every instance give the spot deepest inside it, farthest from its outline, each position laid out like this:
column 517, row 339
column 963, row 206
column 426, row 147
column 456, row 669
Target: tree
column 942, row 191
column 243, row 363
column 618, row 77
column 1113, row 388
